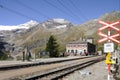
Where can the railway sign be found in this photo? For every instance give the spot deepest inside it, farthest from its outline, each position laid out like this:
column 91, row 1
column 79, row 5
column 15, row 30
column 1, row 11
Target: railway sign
column 108, row 60
column 107, row 25
column 108, row 47
column 109, row 36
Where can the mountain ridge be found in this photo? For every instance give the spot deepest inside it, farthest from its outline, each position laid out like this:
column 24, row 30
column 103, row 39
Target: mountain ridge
column 36, row 37
column 26, row 25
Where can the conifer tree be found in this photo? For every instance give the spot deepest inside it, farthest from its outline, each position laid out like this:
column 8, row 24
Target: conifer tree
column 52, row 47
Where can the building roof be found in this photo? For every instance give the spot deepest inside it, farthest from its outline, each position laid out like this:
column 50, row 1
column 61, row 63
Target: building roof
column 75, row 42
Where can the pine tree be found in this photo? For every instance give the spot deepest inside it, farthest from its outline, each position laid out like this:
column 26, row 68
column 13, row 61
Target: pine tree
column 52, row 47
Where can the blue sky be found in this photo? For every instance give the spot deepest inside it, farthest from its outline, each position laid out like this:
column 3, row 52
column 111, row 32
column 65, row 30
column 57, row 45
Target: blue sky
column 14, row 12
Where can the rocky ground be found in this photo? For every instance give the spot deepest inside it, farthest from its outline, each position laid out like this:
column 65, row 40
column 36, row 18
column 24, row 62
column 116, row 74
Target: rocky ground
column 97, row 71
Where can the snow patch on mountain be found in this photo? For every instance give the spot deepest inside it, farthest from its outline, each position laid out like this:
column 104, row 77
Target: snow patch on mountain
column 59, row 20
column 28, row 24
column 21, row 26
column 61, row 26
column 56, row 23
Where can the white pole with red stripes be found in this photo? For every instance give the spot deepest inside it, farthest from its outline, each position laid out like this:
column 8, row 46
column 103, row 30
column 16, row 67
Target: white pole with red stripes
column 108, row 37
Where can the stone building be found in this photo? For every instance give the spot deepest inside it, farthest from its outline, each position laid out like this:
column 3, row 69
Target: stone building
column 80, row 48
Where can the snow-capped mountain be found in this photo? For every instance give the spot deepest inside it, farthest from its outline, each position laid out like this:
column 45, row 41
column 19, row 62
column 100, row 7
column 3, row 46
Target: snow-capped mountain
column 56, row 23
column 35, row 38
column 19, row 35
column 26, row 25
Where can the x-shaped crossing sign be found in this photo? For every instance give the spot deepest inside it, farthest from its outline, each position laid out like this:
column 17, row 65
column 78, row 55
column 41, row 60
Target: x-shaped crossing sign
column 109, row 36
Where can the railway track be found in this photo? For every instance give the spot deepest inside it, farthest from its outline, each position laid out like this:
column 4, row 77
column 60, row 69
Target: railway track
column 59, row 73
column 18, row 66
column 36, row 72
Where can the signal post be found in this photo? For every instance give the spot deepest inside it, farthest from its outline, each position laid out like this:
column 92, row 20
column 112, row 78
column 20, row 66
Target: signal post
column 109, row 45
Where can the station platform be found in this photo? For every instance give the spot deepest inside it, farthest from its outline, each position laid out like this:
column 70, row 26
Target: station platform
column 38, row 61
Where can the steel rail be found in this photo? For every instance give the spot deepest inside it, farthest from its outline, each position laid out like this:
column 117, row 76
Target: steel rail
column 63, row 71
column 18, row 66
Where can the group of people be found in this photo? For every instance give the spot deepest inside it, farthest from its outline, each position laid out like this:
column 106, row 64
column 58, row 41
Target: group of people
column 26, row 56
column 84, row 53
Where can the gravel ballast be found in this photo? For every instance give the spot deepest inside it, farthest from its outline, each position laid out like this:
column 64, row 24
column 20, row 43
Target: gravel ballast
column 96, row 71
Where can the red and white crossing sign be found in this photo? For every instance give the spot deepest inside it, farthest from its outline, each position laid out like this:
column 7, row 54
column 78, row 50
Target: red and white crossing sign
column 109, row 47
column 108, row 36
column 107, row 25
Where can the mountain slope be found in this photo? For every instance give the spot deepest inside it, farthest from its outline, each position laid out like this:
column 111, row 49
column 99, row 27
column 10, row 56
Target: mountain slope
column 36, row 37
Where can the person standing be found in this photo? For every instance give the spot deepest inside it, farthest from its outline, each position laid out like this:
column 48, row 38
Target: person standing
column 23, row 55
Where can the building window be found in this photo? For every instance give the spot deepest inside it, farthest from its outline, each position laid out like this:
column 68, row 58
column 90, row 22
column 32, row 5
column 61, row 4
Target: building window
column 68, row 51
column 72, row 51
column 75, row 51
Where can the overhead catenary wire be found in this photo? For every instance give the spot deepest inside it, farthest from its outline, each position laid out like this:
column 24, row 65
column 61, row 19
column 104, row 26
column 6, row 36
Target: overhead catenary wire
column 118, row 5
column 67, row 9
column 83, row 16
column 18, row 13
column 34, row 10
column 61, row 10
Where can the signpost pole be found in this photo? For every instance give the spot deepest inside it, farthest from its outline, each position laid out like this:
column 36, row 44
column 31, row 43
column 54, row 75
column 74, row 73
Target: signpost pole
column 108, row 71
column 109, row 47
column 108, row 62
column 109, row 53
column 115, row 56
